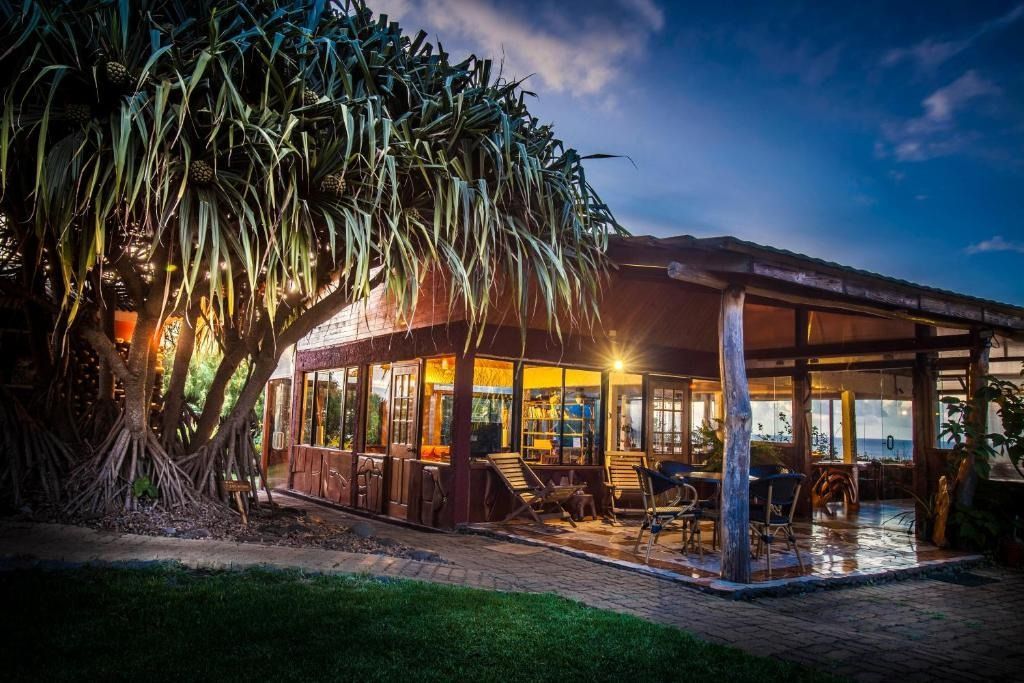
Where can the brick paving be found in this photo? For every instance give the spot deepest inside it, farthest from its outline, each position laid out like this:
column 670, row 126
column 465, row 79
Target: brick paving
column 914, row 630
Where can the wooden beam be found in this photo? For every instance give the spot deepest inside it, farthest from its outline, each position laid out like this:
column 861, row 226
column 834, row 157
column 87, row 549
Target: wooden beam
column 736, row 463
column 847, row 291
column 953, row 342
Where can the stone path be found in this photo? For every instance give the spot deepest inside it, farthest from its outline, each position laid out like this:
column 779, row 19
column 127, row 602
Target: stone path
column 920, row 629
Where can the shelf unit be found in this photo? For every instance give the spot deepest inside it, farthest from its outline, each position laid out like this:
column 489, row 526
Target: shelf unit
column 545, row 427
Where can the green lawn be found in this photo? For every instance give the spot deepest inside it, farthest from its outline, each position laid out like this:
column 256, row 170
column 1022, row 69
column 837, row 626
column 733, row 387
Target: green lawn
column 166, row 623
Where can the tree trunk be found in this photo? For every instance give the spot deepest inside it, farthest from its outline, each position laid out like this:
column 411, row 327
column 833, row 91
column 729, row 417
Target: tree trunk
column 214, row 404
column 736, row 461
column 174, row 399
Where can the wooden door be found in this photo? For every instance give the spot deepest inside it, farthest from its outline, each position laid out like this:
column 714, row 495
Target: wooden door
column 276, row 431
column 402, row 443
column 669, row 426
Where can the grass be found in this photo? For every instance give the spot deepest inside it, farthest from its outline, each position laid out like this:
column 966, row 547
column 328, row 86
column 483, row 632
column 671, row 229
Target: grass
column 163, row 623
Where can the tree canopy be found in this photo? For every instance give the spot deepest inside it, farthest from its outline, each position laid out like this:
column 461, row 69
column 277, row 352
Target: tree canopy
column 260, row 165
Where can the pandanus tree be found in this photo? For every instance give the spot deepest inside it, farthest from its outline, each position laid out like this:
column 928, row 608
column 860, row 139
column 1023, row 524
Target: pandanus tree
column 258, row 166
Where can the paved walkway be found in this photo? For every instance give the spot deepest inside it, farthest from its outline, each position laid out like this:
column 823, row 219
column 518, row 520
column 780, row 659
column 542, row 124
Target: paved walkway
column 921, row 629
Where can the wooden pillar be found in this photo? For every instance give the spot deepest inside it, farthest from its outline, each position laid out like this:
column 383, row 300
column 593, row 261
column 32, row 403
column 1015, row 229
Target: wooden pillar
column 925, row 403
column 736, row 463
column 849, row 413
column 462, row 417
column 967, row 478
column 849, row 409
column 802, row 414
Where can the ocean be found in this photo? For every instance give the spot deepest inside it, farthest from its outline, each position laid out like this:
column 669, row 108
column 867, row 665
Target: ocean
column 869, row 449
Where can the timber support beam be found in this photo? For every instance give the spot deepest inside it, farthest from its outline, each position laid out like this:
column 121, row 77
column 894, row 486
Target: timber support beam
column 735, row 520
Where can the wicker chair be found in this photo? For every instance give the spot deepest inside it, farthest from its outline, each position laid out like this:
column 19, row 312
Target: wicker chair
column 657, row 517
column 773, row 502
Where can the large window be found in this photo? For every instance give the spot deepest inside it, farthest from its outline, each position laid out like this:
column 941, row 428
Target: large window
column 771, row 404
column 560, row 415
column 626, row 412
column 492, row 407
column 328, row 407
column 438, row 401
column 378, row 396
column 705, row 417
column 881, row 405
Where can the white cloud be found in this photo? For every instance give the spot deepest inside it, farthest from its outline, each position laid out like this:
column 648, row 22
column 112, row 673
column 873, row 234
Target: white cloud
column 996, row 243
column 940, row 105
column 648, row 10
column 580, row 55
column 931, row 53
column 934, row 132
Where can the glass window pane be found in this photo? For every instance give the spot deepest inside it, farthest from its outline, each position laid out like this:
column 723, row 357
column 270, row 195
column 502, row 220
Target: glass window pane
column 581, row 407
column 491, row 430
column 626, row 412
column 307, row 408
column 542, row 409
column 438, row 399
column 332, row 410
column 377, row 398
column 771, row 403
column 348, row 426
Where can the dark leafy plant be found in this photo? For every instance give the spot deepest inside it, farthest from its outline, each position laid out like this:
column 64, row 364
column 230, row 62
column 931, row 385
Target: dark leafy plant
column 144, row 489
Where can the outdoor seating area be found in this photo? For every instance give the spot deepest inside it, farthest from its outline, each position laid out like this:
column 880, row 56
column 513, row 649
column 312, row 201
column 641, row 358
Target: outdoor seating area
column 873, row 540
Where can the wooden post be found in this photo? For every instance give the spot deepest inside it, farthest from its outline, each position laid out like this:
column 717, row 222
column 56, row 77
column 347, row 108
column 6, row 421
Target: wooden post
column 802, row 412
column 926, row 476
column 967, row 477
column 736, row 463
column 850, row 445
column 849, row 413
column 462, row 424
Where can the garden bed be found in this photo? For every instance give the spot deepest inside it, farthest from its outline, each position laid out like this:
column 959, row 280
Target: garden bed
column 278, row 525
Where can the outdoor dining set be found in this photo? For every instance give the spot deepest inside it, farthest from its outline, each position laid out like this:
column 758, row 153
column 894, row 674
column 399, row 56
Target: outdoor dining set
column 671, row 495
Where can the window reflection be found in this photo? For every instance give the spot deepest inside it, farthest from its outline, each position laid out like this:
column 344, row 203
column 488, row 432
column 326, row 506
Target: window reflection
column 626, row 416
column 377, row 399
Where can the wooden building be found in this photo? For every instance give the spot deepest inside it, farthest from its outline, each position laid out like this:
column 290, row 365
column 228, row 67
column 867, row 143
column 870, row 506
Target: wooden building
column 394, row 416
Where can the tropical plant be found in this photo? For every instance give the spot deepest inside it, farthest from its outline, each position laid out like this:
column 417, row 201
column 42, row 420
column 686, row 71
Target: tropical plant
column 257, row 167
column 982, row 522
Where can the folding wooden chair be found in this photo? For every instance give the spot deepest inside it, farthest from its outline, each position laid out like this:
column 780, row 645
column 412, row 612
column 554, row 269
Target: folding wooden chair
column 527, row 488
column 621, row 483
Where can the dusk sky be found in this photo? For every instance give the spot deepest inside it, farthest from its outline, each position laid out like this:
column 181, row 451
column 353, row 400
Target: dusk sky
column 887, row 136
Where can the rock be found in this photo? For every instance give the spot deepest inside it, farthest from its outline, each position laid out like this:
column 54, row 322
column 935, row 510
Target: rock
column 195, row 533
column 169, row 531
column 362, row 530
column 424, row 556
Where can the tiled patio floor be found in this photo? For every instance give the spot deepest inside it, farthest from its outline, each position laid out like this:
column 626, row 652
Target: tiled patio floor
column 871, row 541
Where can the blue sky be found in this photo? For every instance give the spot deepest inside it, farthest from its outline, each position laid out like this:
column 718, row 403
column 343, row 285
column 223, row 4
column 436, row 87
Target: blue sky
column 884, row 135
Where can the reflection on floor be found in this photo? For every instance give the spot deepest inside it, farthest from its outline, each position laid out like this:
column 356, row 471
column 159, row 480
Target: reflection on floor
column 873, row 539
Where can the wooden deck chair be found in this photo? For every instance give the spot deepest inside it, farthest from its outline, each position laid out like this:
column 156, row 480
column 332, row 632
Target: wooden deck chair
column 621, row 482
column 527, row 488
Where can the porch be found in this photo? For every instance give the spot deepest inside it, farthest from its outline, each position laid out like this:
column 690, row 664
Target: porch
column 874, row 542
